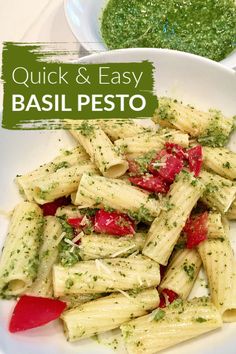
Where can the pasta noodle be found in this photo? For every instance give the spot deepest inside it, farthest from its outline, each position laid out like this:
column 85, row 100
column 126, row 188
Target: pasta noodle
column 218, row 261
column 67, row 159
column 174, row 324
column 220, row 160
column 150, row 141
column 107, row 313
column 182, row 272
column 18, row 263
column 100, row 149
column 106, row 275
column 48, row 253
column 210, row 127
column 165, row 230
column 107, row 246
column 60, row 183
column 219, row 193
column 106, row 192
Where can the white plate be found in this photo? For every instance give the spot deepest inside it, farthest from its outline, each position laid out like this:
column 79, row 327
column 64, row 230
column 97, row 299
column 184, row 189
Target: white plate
column 84, row 16
column 194, row 79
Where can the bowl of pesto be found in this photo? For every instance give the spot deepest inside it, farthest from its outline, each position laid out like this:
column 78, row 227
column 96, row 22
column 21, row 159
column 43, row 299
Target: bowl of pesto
column 203, row 27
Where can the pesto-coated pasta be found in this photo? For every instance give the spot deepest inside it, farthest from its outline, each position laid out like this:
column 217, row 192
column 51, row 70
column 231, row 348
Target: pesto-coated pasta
column 163, row 328
column 182, row 272
column 60, row 183
column 231, row 213
column 211, row 127
column 165, row 230
column 218, row 261
column 150, row 141
column 106, row 275
column 100, row 149
column 219, row 193
column 221, row 161
column 96, row 191
column 19, row 259
column 52, row 235
column 107, row 246
column 107, row 313
column 67, row 158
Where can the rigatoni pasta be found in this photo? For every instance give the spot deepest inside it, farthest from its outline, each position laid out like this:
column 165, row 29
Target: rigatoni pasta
column 165, row 230
column 96, row 191
column 219, row 193
column 106, row 275
column 19, row 259
column 52, row 235
column 95, row 246
column 210, row 127
column 174, row 324
column 182, row 272
column 67, row 158
column 150, row 141
column 221, row 161
column 107, row 313
column 100, row 149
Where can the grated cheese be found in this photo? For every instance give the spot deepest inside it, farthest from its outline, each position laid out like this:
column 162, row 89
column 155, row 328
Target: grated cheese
column 78, row 237
column 124, row 250
column 124, row 293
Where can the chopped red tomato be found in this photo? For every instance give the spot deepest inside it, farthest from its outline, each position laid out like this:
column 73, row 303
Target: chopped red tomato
column 51, row 208
column 196, row 230
column 167, row 296
column 32, row 311
column 166, row 165
column 195, row 159
column 176, row 150
column 114, row 223
column 75, row 222
column 151, row 183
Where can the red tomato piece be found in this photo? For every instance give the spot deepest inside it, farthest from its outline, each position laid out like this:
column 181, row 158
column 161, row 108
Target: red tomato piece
column 196, row 230
column 195, row 159
column 51, row 208
column 166, row 165
column 167, row 296
column 114, row 223
column 151, row 183
column 75, row 222
column 176, row 150
column 33, row 311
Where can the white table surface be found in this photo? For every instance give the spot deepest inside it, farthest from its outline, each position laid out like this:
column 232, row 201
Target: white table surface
column 33, row 21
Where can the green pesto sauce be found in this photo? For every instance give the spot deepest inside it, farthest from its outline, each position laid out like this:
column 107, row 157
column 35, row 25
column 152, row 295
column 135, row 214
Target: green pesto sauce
column 203, row 27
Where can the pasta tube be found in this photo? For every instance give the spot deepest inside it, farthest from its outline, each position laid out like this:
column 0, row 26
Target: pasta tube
column 48, row 253
column 215, row 227
column 230, row 313
column 107, row 246
column 211, row 127
column 165, row 230
column 120, row 195
column 220, row 160
column 107, row 275
column 100, row 149
column 68, row 211
column 67, row 159
column 107, row 313
column 219, row 193
column 182, row 272
column 60, row 183
column 19, row 261
column 218, row 261
column 163, row 328
column 150, row 141
column 79, row 299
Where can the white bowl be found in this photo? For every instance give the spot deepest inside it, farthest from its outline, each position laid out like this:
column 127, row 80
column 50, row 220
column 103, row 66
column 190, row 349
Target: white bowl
column 195, row 80
column 84, row 16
